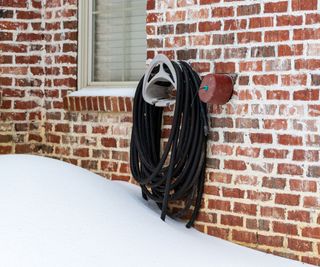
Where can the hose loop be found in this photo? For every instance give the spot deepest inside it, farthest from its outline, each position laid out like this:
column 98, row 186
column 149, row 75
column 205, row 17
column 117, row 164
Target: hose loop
column 177, row 172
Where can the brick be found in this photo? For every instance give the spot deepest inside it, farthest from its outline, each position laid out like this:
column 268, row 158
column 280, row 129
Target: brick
column 312, row 232
column 207, row 26
column 247, row 123
column 275, row 153
column 213, row 163
column 6, row 14
column 244, row 237
column 290, row 169
column 293, row 80
column 233, row 192
column 261, row 138
column 311, row 202
column 224, row 67
column 259, row 196
column 299, row 215
column 287, row 199
column 276, row 7
column 313, row 140
column 249, row 209
column 278, row 95
column 289, row 140
column 251, row 66
column 28, row 59
column 260, row 22
column 6, row 36
column 302, row 155
column 108, row 142
column 201, row 67
column 251, row 224
column 28, row 14
column 63, row 128
column 220, row 12
column 246, row 10
column 312, row 18
column 235, row 165
column 220, row 177
column 212, row 190
column 223, row 39
column 221, row 150
column 306, row 34
column 248, row 152
column 81, row 152
column 304, row 5
column 207, row 217
column 214, row 204
column 221, row 122
column 235, row 24
column 276, row 36
column 299, row 245
column 272, row 241
column 249, row 37
column 314, row 171
column 265, row 80
column 273, row 212
column 279, row 124
column 235, row 52
column 25, row 104
column 287, row 20
column 209, row 53
column 290, row 50
column 314, row 110
column 173, row 16
column 264, row 51
column 231, row 220
column 246, row 179
column 217, row 231
column 310, row 260
column 285, row 228
column 303, row 186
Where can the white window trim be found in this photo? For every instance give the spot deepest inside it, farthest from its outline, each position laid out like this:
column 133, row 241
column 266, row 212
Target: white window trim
column 85, row 56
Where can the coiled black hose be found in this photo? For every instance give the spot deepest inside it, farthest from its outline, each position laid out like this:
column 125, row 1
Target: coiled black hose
column 179, row 173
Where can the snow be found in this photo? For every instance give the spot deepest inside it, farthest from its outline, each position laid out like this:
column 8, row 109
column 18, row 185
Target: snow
column 126, row 92
column 55, row 214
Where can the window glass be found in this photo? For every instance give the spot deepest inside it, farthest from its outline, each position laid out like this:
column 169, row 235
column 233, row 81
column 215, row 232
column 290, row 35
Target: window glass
column 119, row 40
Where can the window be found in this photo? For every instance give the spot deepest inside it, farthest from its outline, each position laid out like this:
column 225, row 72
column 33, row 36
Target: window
column 112, row 43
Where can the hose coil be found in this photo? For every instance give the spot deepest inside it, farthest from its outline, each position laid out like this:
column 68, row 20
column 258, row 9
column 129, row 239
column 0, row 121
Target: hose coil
column 178, row 173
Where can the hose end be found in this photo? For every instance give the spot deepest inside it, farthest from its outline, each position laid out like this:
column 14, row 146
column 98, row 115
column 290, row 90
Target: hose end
column 206, row 130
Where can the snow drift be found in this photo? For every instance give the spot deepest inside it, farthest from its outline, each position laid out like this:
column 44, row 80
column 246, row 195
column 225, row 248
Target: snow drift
column 56, row 214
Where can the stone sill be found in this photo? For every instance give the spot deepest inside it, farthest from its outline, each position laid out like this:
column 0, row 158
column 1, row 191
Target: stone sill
column 98, row 103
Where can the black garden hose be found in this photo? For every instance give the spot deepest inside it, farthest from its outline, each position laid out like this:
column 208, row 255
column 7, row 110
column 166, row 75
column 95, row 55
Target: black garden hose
column 179, row 173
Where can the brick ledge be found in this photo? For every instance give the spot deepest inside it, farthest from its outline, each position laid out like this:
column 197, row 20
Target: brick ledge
column 98, row 103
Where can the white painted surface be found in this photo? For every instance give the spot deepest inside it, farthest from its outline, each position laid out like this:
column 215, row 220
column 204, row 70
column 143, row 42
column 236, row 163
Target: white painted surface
column 54, row 214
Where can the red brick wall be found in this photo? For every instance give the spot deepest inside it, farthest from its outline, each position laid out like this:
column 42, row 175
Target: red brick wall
column 38, row 44
column 262, row 186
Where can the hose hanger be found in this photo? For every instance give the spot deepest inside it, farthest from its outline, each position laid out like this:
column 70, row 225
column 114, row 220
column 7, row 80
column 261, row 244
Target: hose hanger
column 176, row 172
column 159, row 81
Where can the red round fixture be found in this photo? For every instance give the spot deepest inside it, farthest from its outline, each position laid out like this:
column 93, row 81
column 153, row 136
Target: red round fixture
column 216, row 89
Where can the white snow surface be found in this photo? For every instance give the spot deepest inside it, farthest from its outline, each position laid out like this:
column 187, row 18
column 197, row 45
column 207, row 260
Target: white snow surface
column 54, row 214
column 128, row 92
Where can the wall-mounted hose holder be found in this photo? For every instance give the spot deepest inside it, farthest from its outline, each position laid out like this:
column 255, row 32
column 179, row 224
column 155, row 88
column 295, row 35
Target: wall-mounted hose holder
column 159, row 81
column 173, row 171
column 216, row 88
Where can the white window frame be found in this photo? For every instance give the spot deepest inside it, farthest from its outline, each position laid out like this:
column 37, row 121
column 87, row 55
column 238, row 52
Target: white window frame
column 85, row 53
